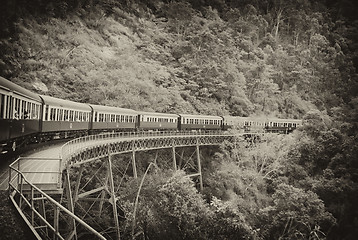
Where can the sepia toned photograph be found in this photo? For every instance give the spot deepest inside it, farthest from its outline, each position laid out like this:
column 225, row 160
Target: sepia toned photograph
column 179, row 119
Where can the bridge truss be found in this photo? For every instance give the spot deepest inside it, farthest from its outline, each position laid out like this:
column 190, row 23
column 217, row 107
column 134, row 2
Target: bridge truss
column 113, row 158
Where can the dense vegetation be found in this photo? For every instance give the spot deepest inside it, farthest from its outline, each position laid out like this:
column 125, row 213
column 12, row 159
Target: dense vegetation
column 294, row 59
column 275, row 57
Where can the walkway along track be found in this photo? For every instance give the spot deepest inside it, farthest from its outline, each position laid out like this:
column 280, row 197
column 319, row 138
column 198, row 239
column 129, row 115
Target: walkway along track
column 46, row 216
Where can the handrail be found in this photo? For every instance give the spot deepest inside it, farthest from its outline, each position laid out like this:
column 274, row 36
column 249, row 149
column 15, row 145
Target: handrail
column 79, row 143
column 16, row 184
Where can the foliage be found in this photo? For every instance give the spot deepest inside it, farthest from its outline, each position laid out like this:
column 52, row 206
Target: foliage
column 12, row 226
column 211, row 57
column 295, row 59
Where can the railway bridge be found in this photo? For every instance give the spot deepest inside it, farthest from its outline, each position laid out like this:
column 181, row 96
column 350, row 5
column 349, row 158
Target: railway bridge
column 48, row 196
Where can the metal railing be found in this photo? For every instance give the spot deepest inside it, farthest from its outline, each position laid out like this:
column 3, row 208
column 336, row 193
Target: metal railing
column 33, row 205
column 30, row 200
column 75, row 145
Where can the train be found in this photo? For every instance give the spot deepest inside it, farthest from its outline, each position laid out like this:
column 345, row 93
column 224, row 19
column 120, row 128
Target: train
column 27, row 117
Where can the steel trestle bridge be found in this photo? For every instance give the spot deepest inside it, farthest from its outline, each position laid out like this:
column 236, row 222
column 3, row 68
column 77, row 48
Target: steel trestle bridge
column 40, row 195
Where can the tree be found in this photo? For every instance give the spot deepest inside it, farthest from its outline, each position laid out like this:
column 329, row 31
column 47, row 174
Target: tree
column 295, row 214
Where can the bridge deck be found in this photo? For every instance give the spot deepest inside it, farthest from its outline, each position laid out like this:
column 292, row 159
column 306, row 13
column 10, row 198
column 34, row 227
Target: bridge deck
column 43, row 168
column 40, row 167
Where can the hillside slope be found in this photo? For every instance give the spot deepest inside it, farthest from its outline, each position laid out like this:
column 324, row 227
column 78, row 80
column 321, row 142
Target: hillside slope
column 181, row 57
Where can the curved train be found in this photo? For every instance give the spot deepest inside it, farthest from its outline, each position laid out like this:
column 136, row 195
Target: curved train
column 26, row 117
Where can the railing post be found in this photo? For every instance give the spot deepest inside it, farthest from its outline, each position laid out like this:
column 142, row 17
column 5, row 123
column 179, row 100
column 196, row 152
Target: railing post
column 56, row 216
column 32, row 206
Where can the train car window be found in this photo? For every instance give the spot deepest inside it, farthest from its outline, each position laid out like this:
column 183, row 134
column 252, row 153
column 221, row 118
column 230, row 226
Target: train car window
column 9, row 107
column 126, row 118
column 30, row 108
column 2, row 106
column 15, row 114
column 66, row 115
column 71, row 115
column 113, row 118
column 31, row 112
column 59, row 116
column 52, row 114
column 57, row 113
column 24, row 113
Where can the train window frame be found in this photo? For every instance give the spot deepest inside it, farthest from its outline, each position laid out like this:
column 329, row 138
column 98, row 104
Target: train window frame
column 95, row 117
column 2, row 105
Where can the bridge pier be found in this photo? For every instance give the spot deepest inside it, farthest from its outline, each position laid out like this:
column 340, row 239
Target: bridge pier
column 113, row 193
column 174, row 158
column 70, row 204
column 199, row 167
column 135, row 175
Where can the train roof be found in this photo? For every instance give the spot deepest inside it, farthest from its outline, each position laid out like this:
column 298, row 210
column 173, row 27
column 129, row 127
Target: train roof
column 13, row 87
column 57, row 102
column 260, row 119
column 284, row 120
column 200, row 116
column 114, row 110
column 156, row 114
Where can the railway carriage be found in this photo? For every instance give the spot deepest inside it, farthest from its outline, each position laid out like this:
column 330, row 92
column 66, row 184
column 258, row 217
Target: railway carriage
column 282, row 125
column 20, row 112
column 196, row 122
column 112, row 118
column 259, row 124
column 64, row 118
column 157, row 121
column 28, row 117
column 234, row 122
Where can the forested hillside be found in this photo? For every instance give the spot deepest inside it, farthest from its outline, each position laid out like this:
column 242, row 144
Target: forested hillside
column 291, row 59
column 278, row 58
